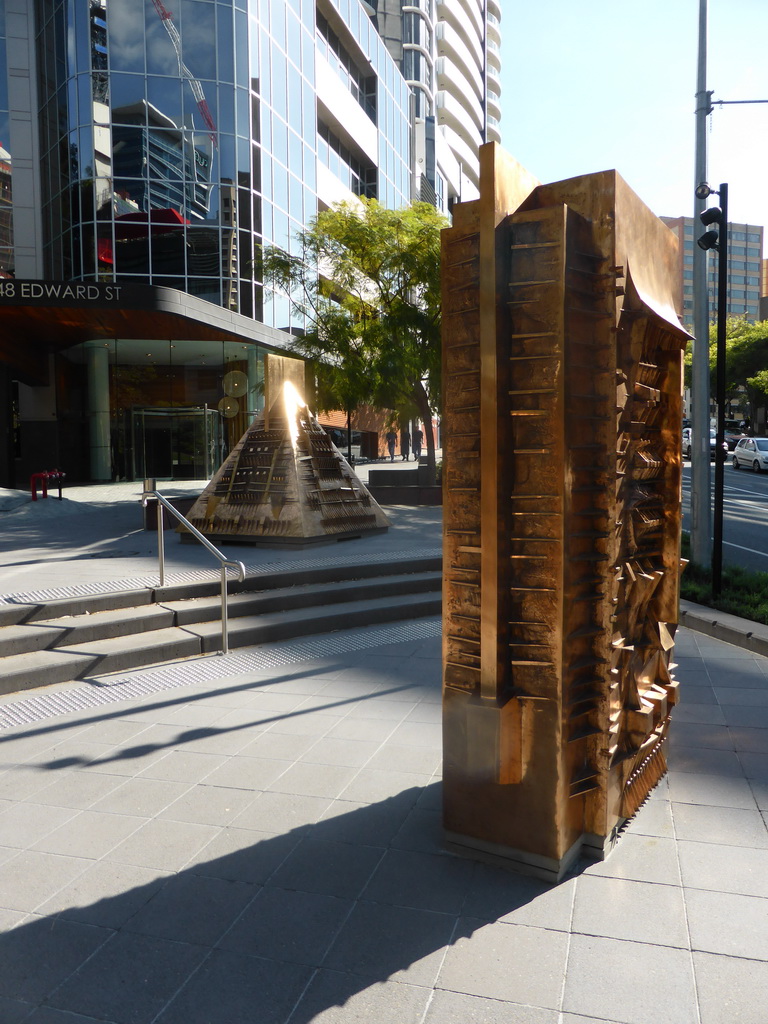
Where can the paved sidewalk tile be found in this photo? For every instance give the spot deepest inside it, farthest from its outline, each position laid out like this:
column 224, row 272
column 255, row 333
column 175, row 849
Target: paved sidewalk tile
column 731, row 826
column 640, row 858
column 288, row 925
column 333, row 997
column 238, row 989
column 716, row 867
column 731, row 989
column 267, row 847
column 624, row 909
column 40, row 955
column 459, row 1008
column 512, row 962
column 130, row 979
column 643, row 982
column 381, row 942
column 727, row 923
column 425, row 881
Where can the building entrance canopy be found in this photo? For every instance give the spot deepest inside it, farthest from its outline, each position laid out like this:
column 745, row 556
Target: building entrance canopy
column 43, row 317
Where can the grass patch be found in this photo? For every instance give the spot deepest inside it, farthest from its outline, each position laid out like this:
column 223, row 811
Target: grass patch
column 742, row 593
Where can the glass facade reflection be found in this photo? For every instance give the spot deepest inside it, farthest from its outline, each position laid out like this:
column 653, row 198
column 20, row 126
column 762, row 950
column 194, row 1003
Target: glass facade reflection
column 175, row 141
column 166, row 141
column 6, row 189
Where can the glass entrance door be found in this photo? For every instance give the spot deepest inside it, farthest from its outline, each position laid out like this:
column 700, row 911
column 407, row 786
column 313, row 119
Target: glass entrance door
column 174, row 444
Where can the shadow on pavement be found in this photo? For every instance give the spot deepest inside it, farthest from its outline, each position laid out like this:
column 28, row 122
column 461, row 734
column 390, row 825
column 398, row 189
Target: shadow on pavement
column 275, row 930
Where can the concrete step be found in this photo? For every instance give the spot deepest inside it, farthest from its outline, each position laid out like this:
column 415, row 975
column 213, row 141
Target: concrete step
column 99, row 657
column 301, row 576
column 121, row 653
column 60, row 641
column 249, row 631
column 205, row 609
column 11, row 614
column 72, row 630
column 88, row 604
column 42, row 668
column 80, row 629
column 27, row 638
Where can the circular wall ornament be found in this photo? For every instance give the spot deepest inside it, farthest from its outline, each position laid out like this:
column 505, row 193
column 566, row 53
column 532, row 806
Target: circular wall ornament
column 229, row 407
column 235, row 383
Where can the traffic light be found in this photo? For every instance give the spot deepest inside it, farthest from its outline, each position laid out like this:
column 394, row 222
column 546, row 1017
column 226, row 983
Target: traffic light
column 711, row 239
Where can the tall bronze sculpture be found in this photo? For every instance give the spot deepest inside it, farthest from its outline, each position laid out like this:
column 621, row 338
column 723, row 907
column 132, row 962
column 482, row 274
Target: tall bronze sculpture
column 562, row 370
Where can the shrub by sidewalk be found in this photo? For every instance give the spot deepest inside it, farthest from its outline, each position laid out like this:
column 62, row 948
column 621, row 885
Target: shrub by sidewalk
column 742, row 592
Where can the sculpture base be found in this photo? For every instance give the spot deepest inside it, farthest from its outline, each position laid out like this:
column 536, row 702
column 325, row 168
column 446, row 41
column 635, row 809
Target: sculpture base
column 591, row 847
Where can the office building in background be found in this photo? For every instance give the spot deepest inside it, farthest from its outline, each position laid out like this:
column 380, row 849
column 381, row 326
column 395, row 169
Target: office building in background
column 745, row 262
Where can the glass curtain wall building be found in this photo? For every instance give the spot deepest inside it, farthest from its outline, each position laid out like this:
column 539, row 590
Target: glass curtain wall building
column 153, row 148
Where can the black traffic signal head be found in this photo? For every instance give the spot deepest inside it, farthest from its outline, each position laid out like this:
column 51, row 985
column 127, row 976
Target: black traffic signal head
column 712, row 215
column 709, row 240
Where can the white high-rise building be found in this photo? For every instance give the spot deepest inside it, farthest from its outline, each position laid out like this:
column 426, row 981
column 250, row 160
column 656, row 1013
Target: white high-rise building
column 449, row 53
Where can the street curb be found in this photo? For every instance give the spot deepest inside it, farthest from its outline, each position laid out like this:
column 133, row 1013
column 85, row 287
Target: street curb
column 752, row 636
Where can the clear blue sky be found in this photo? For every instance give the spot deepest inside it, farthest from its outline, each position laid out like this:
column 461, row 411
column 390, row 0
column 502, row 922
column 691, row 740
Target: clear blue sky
column 589, row 85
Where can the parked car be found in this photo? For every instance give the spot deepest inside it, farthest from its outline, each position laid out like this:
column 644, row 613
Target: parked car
column 732, row 436
column 751, row 453
column 734, row 431
column 688, row 443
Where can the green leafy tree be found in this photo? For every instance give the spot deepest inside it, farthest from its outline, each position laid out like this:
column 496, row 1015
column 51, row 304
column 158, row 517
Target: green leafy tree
column 759, row 384
column 366, row 281
column 746, row 360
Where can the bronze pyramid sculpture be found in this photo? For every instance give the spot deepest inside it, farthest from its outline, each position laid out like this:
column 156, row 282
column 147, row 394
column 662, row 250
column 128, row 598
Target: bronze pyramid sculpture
column 285, row 482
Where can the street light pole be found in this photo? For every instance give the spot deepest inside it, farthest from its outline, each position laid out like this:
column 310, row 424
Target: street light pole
column 701, row 517
column 722, row 304
column 717, row 238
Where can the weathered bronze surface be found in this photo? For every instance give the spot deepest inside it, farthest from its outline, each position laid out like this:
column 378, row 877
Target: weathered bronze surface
column 285, row 482
column 562, row 363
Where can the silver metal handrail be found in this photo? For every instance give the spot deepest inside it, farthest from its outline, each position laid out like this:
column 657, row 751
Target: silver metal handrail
column 226, row 563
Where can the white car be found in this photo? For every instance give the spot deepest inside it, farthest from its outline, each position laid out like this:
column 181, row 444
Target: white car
column 752, row 453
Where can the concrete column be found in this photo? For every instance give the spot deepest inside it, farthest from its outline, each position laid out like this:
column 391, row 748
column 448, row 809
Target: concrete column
column 98, row 410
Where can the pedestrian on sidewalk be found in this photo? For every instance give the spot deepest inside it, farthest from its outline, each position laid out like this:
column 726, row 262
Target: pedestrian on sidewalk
column 418, row 437
column 391, row 438
column 405, row 445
